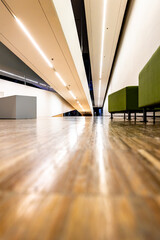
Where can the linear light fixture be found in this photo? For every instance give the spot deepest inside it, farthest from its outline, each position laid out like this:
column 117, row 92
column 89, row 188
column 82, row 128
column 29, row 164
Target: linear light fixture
column 61, row 79
column 81, row 106
column 103, row 36
column 24, row 29
column 71, row 93
column 75, row 99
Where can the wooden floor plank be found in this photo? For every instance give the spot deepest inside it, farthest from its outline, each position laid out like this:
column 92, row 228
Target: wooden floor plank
column 79, row 178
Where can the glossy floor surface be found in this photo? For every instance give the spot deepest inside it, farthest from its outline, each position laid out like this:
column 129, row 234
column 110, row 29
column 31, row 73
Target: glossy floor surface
column 79, row 178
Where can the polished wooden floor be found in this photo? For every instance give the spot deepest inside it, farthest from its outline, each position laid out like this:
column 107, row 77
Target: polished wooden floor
column 79, row 179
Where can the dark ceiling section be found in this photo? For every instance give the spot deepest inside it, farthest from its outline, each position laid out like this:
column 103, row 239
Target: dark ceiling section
column 13, row 69
column 79, row 14
column 80, row 19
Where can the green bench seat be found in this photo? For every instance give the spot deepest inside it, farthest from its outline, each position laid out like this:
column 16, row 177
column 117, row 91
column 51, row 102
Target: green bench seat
column 149, row 85
column 124, row 100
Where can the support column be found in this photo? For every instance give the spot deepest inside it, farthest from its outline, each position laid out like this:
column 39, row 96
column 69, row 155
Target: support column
column 154, row 117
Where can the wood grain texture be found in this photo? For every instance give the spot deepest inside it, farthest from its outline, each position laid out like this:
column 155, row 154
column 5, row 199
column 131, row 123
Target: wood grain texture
column 79, row 178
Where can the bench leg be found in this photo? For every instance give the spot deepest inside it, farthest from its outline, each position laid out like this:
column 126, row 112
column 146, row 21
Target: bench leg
column 129, row 116
column 111, row 115
column 135, row 116
column 144, row 115
column 154, row 117
column 124, row 116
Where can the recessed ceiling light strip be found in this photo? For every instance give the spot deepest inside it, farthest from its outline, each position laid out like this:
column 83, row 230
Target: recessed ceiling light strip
column 60, row 78
column 71, row 93
column 103, row 36
column 24, row 29
column 81, row 106
column 27, row 33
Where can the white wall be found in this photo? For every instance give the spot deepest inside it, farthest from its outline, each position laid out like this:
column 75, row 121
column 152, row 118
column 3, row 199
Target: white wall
column 48, row 103
column 140, row 39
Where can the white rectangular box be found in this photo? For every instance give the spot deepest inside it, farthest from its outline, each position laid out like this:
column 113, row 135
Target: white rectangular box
column 18, row 107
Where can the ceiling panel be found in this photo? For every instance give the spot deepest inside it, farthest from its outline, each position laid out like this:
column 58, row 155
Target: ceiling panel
column 114, row 10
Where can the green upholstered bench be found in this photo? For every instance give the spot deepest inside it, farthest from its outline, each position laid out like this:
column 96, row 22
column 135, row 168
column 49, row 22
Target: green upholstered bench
column 149, row 84
column 124, row 101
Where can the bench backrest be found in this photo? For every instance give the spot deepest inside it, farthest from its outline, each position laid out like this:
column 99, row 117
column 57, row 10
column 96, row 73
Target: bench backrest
column 149, row 82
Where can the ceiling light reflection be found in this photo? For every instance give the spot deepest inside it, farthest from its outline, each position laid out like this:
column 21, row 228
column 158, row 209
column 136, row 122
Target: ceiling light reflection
column 100, row 161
